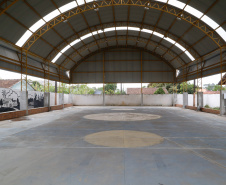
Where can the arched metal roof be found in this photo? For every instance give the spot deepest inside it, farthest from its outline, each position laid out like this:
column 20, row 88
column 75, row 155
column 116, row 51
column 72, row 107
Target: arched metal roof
column 189, row 35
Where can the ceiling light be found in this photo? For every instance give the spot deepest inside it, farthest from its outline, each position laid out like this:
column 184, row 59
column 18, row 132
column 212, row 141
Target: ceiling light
column 179, row 16
column 95, row 8
column 64, row 19
column 147, row 6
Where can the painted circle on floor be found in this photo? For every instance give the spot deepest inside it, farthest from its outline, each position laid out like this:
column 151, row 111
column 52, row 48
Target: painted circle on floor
column 122, row 109
column 124, row 139
column 122, row 116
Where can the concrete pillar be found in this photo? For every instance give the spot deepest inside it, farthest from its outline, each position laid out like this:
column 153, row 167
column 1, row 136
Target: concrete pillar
column 103, row 99
column 142, row 99
column 63, row 99
column 174, row 99
column 199, row 100
column 185, row 99
column 223, row 103
column 47, row 100
column 70, row 98
column 24, row 101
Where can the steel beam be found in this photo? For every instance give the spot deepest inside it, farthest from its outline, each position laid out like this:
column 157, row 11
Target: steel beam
column 154, row 5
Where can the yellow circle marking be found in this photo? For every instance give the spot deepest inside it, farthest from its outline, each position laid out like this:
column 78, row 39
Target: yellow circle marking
column 122, row 116
column 122, row 109
column 124, row 139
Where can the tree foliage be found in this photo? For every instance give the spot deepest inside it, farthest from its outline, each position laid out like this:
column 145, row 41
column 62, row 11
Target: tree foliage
column 159, row 91
column 170, row 87
column 218, row 88
column 82, row 89
column 110, row 87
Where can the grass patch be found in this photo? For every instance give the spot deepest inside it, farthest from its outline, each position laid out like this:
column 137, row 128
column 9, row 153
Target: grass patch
column 214, row 108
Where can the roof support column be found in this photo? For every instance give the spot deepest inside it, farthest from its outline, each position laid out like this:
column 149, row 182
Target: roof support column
column 24, row 94
column 141, row 78
column 103, row 81
column 185, row 99
column 223, row 92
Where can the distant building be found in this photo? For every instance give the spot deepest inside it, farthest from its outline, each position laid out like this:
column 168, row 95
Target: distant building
column 98, row 92
column 15, row 84
column 206, row 91
column 150, row 90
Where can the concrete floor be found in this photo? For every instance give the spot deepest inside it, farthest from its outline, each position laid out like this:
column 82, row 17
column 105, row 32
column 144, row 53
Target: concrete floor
column 50, row 148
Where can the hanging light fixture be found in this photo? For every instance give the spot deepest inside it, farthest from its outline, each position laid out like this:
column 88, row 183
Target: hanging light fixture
column 64, row 19
column 179, row 16
column 147, row 6
column 95, row 7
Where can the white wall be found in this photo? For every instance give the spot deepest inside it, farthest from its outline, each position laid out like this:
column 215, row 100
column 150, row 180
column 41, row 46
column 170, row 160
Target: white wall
column 158, row 99
column 129, row 100
column 179, row 99
column 213, row 100
column 60, row 98
column 88, row 99
column 191, row 100
column 52, row 99
column 124, row 100
column 66, row 98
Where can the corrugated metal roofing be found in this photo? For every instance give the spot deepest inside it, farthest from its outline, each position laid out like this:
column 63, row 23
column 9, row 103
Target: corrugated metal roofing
column 20, row 16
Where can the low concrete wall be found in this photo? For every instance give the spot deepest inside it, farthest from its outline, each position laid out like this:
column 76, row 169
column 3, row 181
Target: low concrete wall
column 21, row 113
column 37, row 110
column 60, row 98
column 52, row 99
column 88, row 100
column 179, row 99
column 68, row 105
column 191, row 100
column 179, row 105
column 123, row 100
column 68, row 98
column 213, row 100
column 158, row 100
column 12, row 114
column 212, row 111
column 191, row 107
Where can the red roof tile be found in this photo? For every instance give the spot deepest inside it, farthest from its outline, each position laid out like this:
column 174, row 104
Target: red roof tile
column 8, row 83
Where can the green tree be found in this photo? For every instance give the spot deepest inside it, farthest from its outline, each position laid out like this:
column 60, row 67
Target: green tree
column 160, row 91
column 110, row 91
column 170, row 87
column 36, row 85
column 218, row 88
column 188, row 86
column 119, row 91
column 82, row 89
column 210, row 87
column 111, row 87
column 156, row 85
column 100, row 89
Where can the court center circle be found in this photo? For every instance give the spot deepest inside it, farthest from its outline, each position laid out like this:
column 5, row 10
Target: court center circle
column 122, row 116
column 124, row 139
